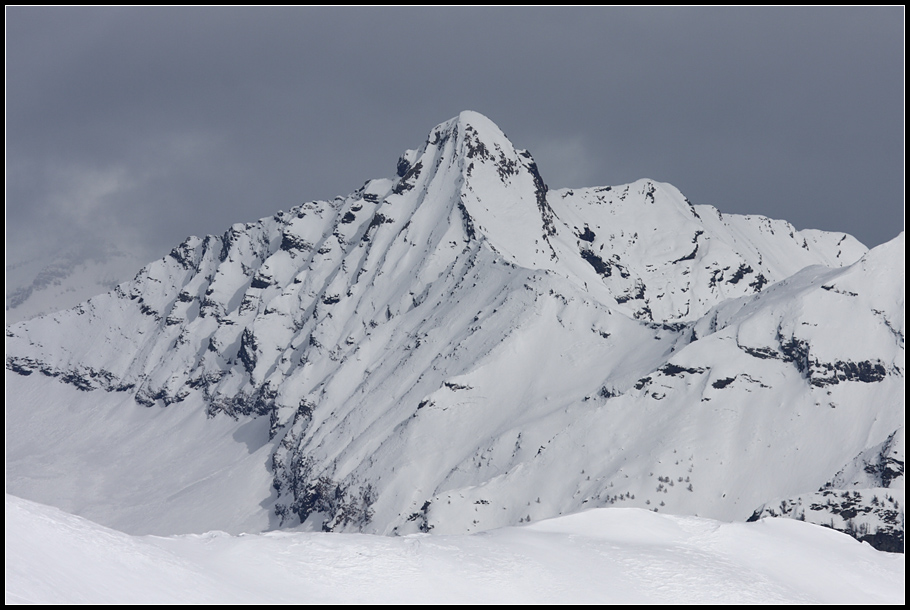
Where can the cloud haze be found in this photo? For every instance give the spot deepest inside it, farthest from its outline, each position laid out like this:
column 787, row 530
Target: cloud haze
column 140, row 126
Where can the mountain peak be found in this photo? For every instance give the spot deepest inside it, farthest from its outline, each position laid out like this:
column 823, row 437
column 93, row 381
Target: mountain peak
column 476, row 138
column 468, row 117
column 461, row 349
column 468, row 121
column 497, row 187
column 468, row 135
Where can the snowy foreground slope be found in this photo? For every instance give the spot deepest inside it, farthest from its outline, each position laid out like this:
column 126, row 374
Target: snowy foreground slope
column 458, row 348
column 598, row 556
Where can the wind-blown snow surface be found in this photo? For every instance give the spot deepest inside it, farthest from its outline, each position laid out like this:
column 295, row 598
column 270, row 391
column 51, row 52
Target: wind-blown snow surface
column 456, row 349
column 598, row 556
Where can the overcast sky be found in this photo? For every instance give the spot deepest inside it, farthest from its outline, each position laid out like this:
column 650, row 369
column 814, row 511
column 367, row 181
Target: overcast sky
column 143, row 126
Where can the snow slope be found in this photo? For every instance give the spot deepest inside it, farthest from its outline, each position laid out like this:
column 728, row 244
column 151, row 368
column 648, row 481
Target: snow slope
column 456, row 349
column 599, row 556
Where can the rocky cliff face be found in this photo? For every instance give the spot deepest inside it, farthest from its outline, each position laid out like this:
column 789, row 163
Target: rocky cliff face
column 458, row 347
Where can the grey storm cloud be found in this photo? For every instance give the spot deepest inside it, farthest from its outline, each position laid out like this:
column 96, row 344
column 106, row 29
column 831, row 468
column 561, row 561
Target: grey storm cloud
column 144, row 125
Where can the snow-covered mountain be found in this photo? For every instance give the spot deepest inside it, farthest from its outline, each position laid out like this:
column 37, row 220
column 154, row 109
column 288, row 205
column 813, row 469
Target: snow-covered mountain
column 458, row 348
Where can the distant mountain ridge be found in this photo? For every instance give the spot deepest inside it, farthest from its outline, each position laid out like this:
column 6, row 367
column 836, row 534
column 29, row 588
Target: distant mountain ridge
column 458, row 347
column 38, row 285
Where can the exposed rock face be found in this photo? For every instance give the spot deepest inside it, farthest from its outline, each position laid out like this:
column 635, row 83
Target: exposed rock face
column 459, row 347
